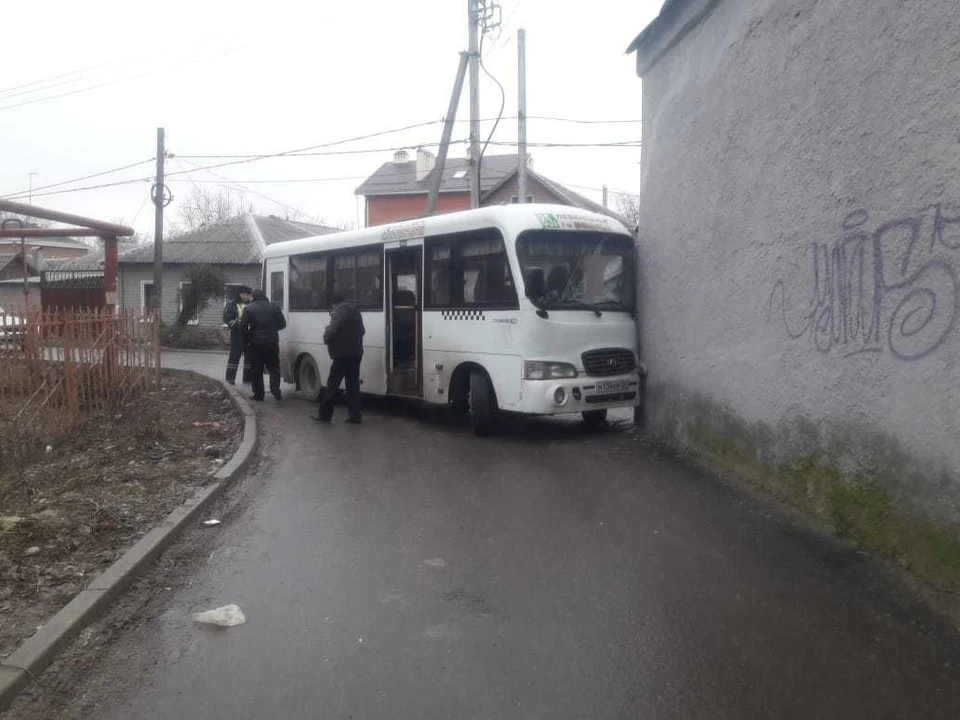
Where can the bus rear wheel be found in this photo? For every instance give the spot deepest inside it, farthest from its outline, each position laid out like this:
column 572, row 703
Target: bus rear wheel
column 482, row 404
column 594, row 419
column 308, row 378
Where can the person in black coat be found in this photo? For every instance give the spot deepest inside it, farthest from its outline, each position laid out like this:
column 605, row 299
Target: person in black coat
column 233, row 319
column 262, row 323
column 344, row 340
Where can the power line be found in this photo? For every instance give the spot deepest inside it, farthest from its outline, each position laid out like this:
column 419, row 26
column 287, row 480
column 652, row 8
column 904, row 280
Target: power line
column 237, row 185
column 85, row 177
column 118, row 80
column 88, row 187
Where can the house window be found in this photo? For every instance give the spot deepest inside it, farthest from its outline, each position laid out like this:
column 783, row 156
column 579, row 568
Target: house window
column 146, row 294
column 515, row 199
column 195, row 320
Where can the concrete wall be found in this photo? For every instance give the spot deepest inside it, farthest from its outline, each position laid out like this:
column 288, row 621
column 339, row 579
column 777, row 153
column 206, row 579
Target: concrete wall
column 132, row 276
column 800, row 241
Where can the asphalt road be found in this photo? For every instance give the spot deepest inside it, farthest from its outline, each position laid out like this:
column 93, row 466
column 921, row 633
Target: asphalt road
column 405, row 569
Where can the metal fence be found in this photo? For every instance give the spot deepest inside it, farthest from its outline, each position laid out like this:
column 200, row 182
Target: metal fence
column 58, row 368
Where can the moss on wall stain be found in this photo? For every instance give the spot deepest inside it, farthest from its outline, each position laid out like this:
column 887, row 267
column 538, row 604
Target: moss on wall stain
column 863, row 485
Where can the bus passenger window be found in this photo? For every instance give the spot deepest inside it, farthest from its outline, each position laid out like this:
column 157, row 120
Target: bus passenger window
column 440, row 269
column 369, row 273
column 486, row 273
column 308, row 282
column 344, row 277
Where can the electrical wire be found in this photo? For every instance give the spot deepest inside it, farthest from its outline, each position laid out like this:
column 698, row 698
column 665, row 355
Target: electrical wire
column 148, row 178
column 118, row 80
column 305, row 151
column 84, row 177
column 237, row 185
column 503, row 106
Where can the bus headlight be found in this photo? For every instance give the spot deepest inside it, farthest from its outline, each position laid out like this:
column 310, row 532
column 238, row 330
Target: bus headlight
column 540, row 370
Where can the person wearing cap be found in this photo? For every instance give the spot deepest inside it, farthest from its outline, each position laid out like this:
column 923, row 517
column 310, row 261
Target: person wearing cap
column 233, row 319
column 262, row 323
column 344, row 340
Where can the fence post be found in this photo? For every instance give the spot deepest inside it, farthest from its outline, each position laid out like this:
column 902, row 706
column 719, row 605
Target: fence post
column 156, row 344
column 70, row 369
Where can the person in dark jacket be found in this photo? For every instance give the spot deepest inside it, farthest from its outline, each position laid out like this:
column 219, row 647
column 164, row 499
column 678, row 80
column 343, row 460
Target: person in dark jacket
column 233, row 319
column 262, row 323
column 344, row 340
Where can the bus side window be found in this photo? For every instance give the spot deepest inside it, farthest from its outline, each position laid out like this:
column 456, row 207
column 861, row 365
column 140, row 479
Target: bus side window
column 486, row 273
column 308, row 282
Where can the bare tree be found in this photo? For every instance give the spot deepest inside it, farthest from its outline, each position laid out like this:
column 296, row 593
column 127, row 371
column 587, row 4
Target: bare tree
column 628, row 205
column 203, row 207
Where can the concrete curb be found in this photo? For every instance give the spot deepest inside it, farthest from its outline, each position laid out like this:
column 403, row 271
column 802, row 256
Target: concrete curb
column 36, row 653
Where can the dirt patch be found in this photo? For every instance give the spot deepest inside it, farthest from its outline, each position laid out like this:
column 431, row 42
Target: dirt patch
column 70, row 511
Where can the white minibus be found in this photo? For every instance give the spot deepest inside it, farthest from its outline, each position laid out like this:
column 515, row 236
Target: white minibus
column 526, row 309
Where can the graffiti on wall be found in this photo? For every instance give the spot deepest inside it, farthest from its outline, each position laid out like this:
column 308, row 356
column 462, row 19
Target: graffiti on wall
column 891, row 288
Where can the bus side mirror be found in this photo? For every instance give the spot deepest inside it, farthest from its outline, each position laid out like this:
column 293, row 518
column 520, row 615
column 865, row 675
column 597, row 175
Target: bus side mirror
column 534, row 283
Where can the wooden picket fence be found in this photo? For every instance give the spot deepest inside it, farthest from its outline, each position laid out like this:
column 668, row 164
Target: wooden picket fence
column 60, row 367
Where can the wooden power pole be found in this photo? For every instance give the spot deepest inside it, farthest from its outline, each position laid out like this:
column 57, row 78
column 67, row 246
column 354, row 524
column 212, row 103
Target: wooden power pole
column 522, row 117
column 447, row 132
column 474, row 53
column 159, row 201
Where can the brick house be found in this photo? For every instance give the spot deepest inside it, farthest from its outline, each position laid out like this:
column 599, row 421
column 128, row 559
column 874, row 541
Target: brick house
column 398, row 190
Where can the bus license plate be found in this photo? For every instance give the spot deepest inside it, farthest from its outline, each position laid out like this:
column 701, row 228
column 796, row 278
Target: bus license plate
column 606, row 387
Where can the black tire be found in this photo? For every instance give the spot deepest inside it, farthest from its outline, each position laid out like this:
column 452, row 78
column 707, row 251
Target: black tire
column 594, row 419
column 308, row 378
column 483, row 405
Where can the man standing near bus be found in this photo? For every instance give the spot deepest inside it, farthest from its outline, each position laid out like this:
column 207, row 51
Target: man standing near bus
column 262, row 323
column 233, row 319
column 344, row 340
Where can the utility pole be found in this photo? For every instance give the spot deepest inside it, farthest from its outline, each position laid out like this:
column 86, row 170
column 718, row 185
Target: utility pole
column 30, row 175
column 474, row 52
column 605, row 196
column 447, row 132
column 522, row 117
column 159, row 200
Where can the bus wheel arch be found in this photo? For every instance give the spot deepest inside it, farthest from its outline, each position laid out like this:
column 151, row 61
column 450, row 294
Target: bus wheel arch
column 473, row 396
column 307, row 375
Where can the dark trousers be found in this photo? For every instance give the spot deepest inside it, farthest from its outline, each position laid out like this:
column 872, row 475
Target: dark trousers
column 264, row 355
column 233, row 361
column 342, row 368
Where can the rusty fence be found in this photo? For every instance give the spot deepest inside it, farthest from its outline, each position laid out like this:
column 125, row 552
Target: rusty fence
column 58, row 368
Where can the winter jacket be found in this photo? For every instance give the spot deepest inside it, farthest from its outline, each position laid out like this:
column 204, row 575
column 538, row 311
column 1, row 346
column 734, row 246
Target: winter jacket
column 233, row 316
column 262, row 322
column 344, row 335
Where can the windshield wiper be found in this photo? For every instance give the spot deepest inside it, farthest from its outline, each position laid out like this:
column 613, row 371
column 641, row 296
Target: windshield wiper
column 574, row 305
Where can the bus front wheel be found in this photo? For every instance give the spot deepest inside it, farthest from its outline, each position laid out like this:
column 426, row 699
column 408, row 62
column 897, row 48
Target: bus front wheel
column 482, row 403
column 594, row 419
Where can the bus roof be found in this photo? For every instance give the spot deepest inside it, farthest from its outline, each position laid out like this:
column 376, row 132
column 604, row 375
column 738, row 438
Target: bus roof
column 512, row 219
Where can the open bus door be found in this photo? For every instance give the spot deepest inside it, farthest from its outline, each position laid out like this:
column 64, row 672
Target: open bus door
column 404, row 320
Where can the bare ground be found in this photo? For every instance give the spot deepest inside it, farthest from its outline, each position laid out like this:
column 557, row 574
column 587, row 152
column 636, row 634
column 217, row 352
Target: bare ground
column 68, row 512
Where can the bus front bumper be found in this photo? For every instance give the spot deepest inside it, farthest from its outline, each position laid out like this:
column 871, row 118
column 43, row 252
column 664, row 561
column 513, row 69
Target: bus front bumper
column 576, row 395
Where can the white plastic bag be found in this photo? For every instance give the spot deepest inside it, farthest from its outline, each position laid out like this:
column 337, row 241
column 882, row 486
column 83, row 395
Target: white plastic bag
column 226, row 616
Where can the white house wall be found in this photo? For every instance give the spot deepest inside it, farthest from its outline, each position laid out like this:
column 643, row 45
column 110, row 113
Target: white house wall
column 132, row 277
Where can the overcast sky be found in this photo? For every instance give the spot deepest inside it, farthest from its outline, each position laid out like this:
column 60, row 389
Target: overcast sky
column 234, row 78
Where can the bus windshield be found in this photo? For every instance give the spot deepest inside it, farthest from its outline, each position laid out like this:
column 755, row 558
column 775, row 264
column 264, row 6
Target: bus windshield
column 581, row 270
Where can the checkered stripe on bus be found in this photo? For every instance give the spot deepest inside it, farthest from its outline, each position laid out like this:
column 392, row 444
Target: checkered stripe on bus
column 462, row 315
